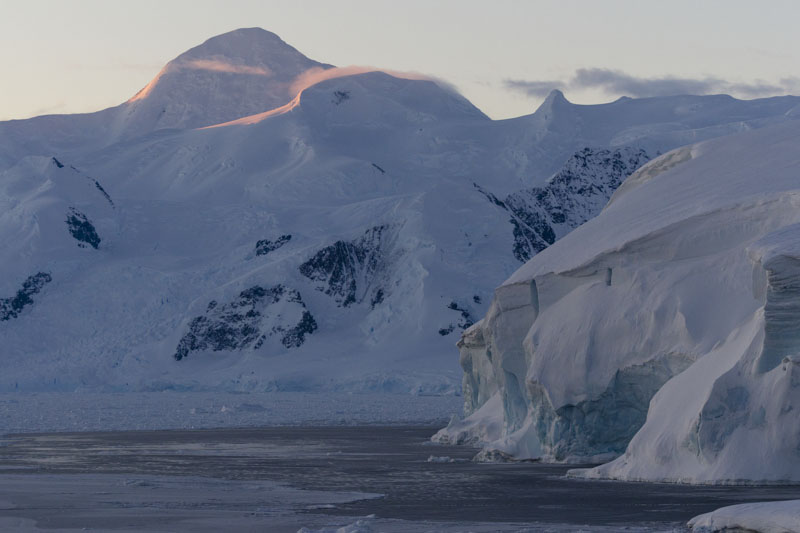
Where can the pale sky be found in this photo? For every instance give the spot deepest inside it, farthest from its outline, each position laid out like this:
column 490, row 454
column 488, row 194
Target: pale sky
column 85, row 55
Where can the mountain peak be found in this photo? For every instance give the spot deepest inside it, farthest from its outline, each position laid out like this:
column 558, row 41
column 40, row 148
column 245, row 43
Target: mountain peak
column 246, row 44
column 235, row 74
column 555, row 97
column 554, row 101
column 554, row 113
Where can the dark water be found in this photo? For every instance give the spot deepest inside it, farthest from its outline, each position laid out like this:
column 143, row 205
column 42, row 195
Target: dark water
column 388, row 460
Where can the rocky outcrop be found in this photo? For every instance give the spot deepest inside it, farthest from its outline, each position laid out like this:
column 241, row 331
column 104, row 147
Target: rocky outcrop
column 13, row 306
column 103, row 192
column 82, row 229
column 466, row 318
column 248, row 321
column 575, row 194
column 265, row 246
column 352, row 271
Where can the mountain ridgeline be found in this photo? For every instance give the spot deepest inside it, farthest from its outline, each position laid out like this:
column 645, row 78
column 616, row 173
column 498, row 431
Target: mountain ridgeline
column 340, row 234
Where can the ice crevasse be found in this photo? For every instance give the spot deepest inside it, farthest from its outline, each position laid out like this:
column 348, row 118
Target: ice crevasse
column 663, row 335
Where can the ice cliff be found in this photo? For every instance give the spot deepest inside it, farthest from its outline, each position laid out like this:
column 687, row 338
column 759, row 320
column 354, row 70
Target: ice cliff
column 663, row 332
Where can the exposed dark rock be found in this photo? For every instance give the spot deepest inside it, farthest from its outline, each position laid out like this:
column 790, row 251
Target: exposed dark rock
column 247, row 321
column 340, row 96
column 466, row 316
column 265, row 246
column 447, row 331
column 465, row 322
column 379, row 168
column 102, row 191
column 351, row 271
column 96, row 183
column 491, row 197
column 377, row 298
column 82, row 229
column 296, row 336
column 575, row 194
column 58, row 163
column 11, row 307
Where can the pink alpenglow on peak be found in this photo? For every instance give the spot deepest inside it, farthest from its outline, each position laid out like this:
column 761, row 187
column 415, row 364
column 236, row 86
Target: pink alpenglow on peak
column 220, row 65
column 258, row 117
column 233, row 75
column 316, row 75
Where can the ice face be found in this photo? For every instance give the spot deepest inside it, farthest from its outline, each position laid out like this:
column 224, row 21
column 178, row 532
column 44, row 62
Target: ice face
column 666, row 328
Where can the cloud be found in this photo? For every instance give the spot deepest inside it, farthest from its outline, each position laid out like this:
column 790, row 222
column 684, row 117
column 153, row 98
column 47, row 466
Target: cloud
column 533, row 88
column 217, row 65
column 617, row 82
column 316, row 75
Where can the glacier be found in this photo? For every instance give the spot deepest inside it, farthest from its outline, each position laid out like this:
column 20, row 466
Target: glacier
column 660, row 336
column 219, row 231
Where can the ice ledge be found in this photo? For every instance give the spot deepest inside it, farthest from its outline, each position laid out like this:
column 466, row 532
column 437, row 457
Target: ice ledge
column 650, row 170
column 761, row 517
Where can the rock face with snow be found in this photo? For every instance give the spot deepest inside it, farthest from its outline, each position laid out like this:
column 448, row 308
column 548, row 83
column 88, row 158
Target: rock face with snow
column 573, row 195
column 351, row 271
column 265, row 246
column 663, row 331
column 11, row 307
column 82, row 229
column 248, row 321
column 379, row 205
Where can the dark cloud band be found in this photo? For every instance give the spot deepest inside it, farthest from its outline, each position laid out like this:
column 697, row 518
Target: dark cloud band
column 617, row 82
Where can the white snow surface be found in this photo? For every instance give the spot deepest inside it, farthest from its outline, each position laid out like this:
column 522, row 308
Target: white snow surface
column 339, row 244
column 762, row 517
column 665, row 328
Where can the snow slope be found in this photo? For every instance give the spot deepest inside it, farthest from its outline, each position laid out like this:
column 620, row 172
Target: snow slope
column 766, row 517
column 665, row 328
column 342, row 241
column 229, row 76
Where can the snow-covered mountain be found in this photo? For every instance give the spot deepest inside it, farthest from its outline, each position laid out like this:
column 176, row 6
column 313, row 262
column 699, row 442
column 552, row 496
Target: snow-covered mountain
column 229, row 76
column 663, row 331
column 339, row 238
